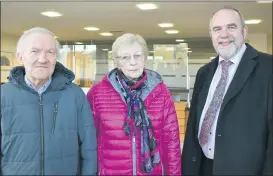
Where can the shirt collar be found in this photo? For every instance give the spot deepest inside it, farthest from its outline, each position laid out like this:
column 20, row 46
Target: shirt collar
column 237, row 57
column 42, row 89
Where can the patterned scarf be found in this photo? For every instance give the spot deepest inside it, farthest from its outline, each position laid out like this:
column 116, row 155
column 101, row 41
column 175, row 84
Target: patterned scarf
column 137, row 113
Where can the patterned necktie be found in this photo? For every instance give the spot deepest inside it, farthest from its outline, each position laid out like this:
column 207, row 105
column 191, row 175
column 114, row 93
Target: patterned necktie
column 215, row 104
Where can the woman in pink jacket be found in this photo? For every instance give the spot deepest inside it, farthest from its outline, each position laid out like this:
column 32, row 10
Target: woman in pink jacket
column 135, row 118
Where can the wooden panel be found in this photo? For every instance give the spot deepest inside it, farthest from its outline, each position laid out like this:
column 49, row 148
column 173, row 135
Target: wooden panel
column 182, row 129
column 182, row 136
column 180, row 114
column 179, row 106
column 181, row 122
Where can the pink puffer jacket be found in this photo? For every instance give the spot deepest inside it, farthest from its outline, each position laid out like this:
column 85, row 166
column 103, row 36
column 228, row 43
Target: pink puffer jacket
column 119, row 154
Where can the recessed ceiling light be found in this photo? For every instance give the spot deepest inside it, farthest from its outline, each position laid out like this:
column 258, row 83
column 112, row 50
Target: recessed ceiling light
column 106, row 34
column 51, row 14
column 165, row 25
column 256, row 21
column 105, row 49
column 264, row 1
column 172, row 31
column 55, row 37
column 147, row 6
column 78, row 43
column 179, row 40
column 91, row 28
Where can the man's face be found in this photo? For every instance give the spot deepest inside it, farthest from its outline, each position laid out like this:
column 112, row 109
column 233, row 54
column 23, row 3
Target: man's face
column 131, row 60
column 227, row 33
column 39, row 56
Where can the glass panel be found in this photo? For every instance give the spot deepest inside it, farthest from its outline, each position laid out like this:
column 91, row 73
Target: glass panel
column 81, row 60
column 171, row 62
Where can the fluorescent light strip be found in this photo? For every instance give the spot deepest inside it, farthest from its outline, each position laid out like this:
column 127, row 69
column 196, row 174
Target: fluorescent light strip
column 264, row 2
column 91, row 28
column 172, row 31
column 147, row 6
column 165, row 25
column 51, row 14
column 179, row 40
column 106, row 34
column 254, row 21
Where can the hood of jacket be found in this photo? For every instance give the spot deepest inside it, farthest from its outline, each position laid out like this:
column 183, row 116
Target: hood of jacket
column 61, row 77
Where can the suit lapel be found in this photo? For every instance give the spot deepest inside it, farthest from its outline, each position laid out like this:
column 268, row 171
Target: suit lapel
column 207, row 77
column 243, row 71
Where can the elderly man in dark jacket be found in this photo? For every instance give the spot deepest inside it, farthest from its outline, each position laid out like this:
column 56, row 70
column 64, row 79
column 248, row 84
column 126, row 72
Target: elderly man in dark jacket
column 46, row 122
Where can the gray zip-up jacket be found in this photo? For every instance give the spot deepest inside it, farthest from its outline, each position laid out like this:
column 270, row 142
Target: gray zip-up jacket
column 51, row 134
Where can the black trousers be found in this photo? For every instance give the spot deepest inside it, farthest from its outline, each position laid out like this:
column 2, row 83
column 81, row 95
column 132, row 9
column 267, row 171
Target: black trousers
column 206, row 168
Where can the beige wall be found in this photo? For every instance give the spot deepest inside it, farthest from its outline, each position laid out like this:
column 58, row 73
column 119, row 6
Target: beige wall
column 258, row 41
column 8, row 44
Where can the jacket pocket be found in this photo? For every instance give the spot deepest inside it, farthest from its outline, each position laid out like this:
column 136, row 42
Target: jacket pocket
column 55, row 111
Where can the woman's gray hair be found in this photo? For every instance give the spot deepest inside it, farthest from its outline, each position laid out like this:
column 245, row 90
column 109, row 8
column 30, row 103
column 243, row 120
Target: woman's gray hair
column 127, row 39
column 36, row 30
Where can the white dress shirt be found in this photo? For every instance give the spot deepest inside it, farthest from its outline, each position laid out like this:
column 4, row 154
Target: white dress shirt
column 208, row 149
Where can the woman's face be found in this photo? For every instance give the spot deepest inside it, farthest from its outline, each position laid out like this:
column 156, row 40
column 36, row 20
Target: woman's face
column 130, row 60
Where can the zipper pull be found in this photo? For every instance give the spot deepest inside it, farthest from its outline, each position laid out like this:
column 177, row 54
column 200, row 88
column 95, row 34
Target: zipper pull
column 41, row 101
column 54, row 116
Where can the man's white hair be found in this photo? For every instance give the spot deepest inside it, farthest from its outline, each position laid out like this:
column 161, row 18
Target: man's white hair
column 36, row 30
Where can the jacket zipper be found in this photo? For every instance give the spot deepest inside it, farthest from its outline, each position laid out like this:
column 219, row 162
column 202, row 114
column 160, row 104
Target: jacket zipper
column 42, row 134
column 162, row 168
column 134, row 151
column 54, row 116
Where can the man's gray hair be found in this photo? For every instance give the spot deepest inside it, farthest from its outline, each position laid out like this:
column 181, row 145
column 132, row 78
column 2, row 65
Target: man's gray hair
column 36, row 30
column 229, row 8
column 129, row 38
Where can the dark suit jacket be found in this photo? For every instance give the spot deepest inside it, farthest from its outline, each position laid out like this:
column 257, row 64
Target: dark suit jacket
column 243, row 142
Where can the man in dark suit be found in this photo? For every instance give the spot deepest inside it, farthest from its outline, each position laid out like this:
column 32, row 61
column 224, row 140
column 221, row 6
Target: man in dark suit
column 229, row 131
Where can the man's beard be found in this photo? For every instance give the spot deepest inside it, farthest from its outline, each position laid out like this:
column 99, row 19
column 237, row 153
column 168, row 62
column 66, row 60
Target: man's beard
column 229, row 51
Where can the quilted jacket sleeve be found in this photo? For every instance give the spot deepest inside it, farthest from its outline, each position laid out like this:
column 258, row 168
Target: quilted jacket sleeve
column 171, row 141
column 90, row 97
column 87, row 137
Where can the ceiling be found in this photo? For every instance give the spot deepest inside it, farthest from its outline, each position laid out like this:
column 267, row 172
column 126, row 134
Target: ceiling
column 190, row 18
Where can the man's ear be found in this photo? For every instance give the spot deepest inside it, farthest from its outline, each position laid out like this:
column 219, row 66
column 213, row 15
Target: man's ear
column 245, row 30
column 19, row 58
